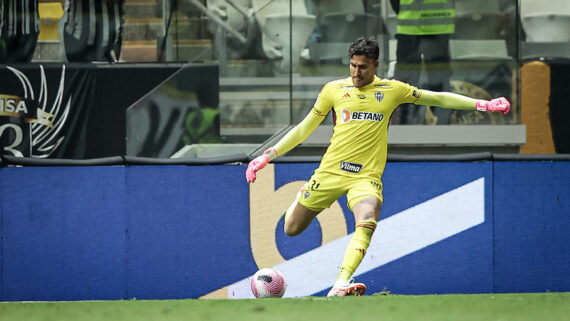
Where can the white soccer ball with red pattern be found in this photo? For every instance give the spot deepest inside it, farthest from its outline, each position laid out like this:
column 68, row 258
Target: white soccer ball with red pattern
column 268, row 283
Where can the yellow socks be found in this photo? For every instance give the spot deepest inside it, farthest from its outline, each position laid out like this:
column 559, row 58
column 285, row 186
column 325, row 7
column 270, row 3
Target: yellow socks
column 356, row 248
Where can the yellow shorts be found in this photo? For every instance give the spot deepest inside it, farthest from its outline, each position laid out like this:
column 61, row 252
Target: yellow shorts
column 324, row 188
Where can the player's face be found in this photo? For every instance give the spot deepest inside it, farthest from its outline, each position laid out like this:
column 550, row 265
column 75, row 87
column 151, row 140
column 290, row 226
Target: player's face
column 362, row 70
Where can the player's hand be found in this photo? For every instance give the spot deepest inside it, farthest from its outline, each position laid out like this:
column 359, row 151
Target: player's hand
column 258, row 163
column 498, row 104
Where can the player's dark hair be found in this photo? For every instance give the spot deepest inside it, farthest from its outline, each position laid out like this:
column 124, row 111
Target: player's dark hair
column 367, row 47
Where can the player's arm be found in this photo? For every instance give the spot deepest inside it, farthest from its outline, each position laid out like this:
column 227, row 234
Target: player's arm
column 293, row 138
column 455, row 101
column 298, row 134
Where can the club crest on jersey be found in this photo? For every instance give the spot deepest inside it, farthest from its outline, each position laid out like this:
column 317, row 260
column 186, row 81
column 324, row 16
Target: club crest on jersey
column 347, row 116
column 351, row 167
column 379, row 96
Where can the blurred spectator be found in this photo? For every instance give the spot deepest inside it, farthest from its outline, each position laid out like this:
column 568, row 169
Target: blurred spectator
column 423, row 31
column 19, row 30
column 92, row 30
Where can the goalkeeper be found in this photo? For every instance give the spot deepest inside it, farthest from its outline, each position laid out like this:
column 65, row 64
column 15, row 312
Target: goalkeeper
column 355, row 159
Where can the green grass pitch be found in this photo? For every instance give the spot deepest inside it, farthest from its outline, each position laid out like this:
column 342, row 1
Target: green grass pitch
column 504, row 307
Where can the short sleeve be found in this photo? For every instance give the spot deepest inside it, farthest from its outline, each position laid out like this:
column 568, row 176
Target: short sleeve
column 409, row 93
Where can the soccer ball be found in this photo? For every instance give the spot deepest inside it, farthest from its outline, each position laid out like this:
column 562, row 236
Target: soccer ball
column 268, row 283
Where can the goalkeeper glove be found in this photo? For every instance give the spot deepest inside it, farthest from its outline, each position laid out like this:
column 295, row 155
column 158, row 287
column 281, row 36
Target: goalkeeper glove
column 498, row 104
column 258, row 163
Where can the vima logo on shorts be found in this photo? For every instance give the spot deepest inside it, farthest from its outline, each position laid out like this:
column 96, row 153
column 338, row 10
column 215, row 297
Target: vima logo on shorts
column 347, row 115
column 351, row 167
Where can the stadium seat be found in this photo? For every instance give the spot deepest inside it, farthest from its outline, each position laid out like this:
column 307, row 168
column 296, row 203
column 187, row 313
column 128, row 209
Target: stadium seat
column 479, row 6
column 546, row 23
column 540, row 6
column 546, row 27
column 480, row 19
column 50, row 14
column 493, row 49
column 234, row 18
column 340, row 23
column 329, row 52
column 275, row 23
column 346, row 27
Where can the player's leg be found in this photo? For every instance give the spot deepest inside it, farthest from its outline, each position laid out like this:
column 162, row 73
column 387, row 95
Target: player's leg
column 365, row 203
column 366, row 213
column 317, row 194
column 298, row 218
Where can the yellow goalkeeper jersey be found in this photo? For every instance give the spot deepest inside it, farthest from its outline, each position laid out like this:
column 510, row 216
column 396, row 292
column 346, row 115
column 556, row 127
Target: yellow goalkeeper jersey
column 359, row 144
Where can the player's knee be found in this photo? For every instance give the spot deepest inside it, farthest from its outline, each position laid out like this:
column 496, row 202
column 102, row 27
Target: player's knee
column 291, row 229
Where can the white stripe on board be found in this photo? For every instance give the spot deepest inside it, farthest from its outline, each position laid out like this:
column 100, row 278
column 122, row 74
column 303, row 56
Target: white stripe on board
column 396, row 236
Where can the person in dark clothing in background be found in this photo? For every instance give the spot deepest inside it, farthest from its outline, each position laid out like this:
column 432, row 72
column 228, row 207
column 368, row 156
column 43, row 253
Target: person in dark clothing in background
column 423, row 30
column 92, row 30
column 19, row 30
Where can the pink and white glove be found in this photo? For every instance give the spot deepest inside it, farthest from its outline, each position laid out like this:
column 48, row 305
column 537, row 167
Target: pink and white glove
column 498, row 104
column 258, row 163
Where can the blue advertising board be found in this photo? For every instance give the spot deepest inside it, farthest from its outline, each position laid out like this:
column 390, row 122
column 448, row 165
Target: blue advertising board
column 63, row 233
column 532, row 225
column 169, row 232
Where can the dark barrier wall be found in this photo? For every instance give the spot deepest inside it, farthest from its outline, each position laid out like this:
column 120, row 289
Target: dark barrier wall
column 164, row 232
column 73, row 111
column 559, row 113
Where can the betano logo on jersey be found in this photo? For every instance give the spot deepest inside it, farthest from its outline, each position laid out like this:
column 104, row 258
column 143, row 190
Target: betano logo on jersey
column 347, row 116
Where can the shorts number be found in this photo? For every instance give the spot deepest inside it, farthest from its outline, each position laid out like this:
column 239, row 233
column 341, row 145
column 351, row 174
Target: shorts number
column 376, row 185
column 315, row 185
